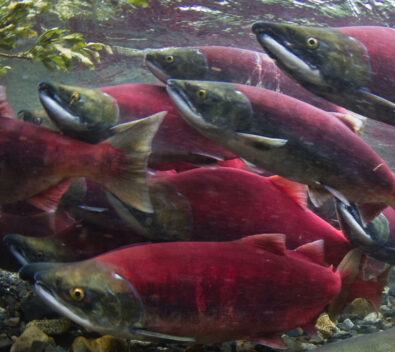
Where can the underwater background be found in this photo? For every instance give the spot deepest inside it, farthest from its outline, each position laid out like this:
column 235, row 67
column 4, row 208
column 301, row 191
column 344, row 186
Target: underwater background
column 131, row 30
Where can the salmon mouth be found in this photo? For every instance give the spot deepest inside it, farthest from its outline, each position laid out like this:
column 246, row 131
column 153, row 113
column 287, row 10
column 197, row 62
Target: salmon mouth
column 183, row 104
column 155, row 69
column 58, row 110
column 281, row 50
column 11, row 241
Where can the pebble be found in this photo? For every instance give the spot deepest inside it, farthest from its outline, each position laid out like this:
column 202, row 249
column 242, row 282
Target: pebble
column 105, row 343
column 24, row 342
column 347, row 324
column 359, row 308
column 372, row 317
column 13, row 321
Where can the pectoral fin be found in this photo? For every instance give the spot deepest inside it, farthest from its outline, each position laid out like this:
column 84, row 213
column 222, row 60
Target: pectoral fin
column 261, row 142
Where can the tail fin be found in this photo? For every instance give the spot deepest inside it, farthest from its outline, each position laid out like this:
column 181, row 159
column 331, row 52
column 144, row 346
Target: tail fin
column 134, row 139
column 349, row 269
column 353, row 286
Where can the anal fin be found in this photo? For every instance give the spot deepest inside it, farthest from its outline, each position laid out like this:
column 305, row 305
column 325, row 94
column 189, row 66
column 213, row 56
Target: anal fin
column 48, row 200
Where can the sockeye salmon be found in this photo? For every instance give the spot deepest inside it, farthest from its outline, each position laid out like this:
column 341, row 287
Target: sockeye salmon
column 204, row 205
column 37, row 163
column 227, row 64
column 193, row 292
column 74, row 110
column 350, row 66
column 290, row 138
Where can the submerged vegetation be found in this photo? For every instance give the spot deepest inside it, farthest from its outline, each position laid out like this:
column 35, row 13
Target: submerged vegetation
column 56, row 48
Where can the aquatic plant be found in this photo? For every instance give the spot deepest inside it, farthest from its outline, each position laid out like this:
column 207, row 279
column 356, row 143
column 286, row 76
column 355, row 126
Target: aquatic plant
column 55, row 47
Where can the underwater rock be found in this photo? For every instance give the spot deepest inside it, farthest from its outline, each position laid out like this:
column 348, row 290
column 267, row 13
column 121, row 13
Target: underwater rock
column 52, row 326
column 41, row 346
column 5, row 343
column 105, row 343
column 24, row 342
column 326, row 328
column 359, row 308
column 373, row 317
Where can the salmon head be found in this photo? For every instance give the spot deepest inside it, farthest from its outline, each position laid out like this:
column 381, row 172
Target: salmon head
column 373, row 238
column 223, row 114
column 28, row 249
column 90, row 293
column 211, row 105
column 37, row 117
column 180, row 63
column 322, row 58
column 81, row 113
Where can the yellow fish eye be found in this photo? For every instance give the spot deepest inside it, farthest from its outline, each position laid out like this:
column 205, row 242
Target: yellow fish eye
column 74, row 97
column 201, row 94
column 169, row 59
column 77, row 294
column 312, row 42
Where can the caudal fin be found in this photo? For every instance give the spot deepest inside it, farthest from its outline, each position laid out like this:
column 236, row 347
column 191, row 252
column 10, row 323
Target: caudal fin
column 354, row 286
column 134, row 139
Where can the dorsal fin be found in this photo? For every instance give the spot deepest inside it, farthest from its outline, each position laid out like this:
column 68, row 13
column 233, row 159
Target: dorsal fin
column 313, row 251
column 272, row 242
column 295, row 190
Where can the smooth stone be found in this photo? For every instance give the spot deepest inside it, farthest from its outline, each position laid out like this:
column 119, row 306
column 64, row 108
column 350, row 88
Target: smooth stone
column 373, row 317
column 348, row 324
column 24, row 342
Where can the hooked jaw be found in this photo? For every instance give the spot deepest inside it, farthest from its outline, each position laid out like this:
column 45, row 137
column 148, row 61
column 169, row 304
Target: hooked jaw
column 280, row 49
column 107, row 302
column 181, row 101
column 56, row 109
column 12, row 241
column 371, row 238
column 155, row 69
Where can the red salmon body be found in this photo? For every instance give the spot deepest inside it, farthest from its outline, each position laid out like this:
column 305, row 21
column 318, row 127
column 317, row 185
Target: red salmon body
column 213, row 291
column 227, row 204
column 175, row 140
column 341, row 159
column 35, row 159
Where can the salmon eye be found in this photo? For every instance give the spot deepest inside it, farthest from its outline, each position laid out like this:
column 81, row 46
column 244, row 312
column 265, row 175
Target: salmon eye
column 169, row 59
column 77, row 294
column 201, row 94
column 39, row 255
column 74, row 97
column 312, row 42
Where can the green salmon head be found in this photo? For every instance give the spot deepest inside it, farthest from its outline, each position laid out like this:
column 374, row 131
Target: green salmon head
column 372, row 238
column 38, row 249
column 318, row 58
column 211, row 105
column 37, row 117
column 180, row 63
column 83, row 113
column 92, row 294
